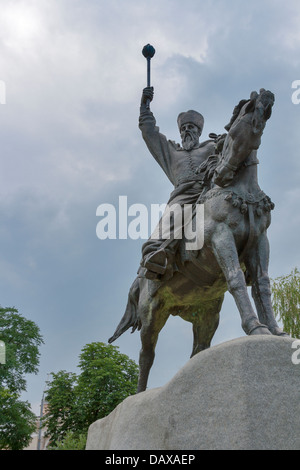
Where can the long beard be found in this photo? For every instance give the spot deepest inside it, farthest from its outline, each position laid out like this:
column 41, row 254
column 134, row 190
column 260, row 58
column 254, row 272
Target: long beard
column 189, row 140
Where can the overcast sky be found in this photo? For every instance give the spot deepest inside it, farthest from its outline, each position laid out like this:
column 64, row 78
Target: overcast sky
column 74, row 74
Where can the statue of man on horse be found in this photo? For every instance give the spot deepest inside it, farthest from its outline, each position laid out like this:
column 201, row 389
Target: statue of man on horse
column 221, row 174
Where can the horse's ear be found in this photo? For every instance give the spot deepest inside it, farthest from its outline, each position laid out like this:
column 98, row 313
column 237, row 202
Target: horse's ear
column 250, row 106
column 254, row 94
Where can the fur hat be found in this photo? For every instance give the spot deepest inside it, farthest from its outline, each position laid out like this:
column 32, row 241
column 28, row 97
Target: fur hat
column 191, row 116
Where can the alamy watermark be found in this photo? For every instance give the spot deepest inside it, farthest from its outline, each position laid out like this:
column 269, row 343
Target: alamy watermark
column 2, row 92
column 296, row 354
column 2, row 352
column 173, row 221
column 296, row 94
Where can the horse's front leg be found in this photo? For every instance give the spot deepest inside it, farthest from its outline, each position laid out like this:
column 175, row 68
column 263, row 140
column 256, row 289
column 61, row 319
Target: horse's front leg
column 147, row 354
column 225, row 251
column 205, row 324
column 152, row 322
column 257, row 263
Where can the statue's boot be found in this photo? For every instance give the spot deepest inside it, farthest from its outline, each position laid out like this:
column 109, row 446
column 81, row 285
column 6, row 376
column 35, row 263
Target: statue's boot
column 156, row 264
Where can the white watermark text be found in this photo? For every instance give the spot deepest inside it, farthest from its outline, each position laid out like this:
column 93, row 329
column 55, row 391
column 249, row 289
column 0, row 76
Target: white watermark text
column 164, row 221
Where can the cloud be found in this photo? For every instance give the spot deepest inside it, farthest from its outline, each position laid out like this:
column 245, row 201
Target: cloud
column 74, row 73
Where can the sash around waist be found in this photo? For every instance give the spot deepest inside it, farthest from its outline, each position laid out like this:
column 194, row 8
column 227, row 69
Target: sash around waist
column 186, row 193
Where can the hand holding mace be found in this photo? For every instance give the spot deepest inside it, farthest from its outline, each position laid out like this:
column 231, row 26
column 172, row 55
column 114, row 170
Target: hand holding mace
column 148, row 52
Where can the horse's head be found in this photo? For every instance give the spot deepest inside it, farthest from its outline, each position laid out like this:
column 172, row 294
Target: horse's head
column 244, row 134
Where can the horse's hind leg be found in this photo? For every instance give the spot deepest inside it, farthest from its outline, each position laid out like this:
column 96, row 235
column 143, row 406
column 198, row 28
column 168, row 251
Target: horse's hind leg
column 153, row 321
column 257, row 265
column 225, row 251
column 205, row 324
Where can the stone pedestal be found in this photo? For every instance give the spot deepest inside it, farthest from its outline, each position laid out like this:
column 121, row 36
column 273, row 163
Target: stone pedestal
column 242, row 394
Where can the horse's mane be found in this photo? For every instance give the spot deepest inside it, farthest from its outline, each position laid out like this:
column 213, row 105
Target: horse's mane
column 207, row 168
column 235, row 113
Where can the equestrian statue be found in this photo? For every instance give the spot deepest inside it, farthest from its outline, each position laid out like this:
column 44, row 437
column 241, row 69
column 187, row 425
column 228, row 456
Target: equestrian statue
column 219, row 175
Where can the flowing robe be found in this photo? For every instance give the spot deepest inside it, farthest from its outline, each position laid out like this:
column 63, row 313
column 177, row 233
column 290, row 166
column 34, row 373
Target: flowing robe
column 180, row 167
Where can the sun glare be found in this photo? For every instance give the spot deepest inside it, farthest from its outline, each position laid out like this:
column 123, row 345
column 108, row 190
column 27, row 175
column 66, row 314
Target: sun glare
column 22, row 25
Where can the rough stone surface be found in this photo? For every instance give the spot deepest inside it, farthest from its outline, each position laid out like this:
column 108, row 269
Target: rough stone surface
column 242, row 394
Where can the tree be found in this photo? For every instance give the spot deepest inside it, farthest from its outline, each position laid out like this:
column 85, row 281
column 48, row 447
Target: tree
column 107, row 377
column 60, row 399
column 286, row 302
column 17, row 422
column 22, row 339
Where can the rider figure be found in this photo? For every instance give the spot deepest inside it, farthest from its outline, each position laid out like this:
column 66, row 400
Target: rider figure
column 180, row 164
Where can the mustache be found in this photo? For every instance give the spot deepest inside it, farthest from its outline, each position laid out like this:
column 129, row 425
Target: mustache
column 189, row 140
column 189, row 135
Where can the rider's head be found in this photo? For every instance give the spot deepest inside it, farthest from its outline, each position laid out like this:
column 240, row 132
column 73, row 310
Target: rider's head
column 190, row 126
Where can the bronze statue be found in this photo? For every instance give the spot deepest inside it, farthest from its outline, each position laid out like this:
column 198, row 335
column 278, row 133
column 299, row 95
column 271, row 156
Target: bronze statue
column 220, row 173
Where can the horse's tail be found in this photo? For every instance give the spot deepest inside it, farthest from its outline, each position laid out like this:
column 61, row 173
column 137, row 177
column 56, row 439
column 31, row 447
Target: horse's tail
column 130, row 317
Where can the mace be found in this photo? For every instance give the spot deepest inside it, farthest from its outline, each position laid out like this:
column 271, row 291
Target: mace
column 148, row 52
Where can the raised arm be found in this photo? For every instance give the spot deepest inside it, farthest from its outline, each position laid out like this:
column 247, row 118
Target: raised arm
column 157, row 143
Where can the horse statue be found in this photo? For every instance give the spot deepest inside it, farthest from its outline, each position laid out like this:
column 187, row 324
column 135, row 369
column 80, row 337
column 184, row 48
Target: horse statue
column 235, row 253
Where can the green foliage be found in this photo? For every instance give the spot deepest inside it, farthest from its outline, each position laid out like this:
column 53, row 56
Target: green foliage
column 107, row 377
column 60, row 399
column 17, row 422
column 22, row 340
column 286, row 302
column 71, row 442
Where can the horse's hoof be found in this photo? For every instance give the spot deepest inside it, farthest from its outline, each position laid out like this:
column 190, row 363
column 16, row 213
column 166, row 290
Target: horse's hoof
column 157, row 262
column 151, row 275
column 279, row 332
